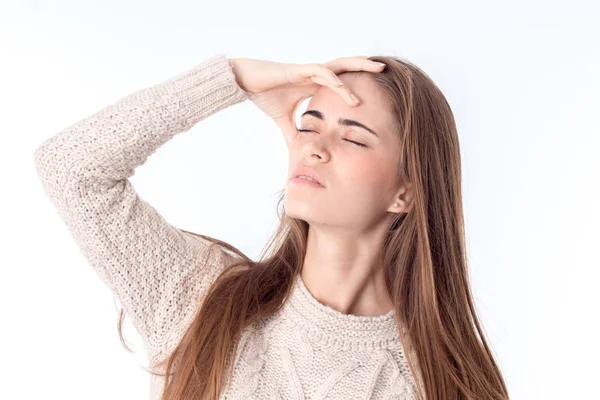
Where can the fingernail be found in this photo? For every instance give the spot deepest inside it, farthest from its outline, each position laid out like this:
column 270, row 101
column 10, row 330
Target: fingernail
column 380, row 63
column 353, row 97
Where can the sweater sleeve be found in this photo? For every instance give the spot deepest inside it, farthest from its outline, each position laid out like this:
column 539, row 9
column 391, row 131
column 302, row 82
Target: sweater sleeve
column 156, row 271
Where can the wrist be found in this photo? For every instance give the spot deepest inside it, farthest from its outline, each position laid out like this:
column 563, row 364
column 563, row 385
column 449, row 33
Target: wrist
column 234, row 68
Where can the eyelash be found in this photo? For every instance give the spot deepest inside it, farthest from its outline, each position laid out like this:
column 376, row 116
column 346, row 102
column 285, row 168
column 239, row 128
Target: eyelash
column 351, row 141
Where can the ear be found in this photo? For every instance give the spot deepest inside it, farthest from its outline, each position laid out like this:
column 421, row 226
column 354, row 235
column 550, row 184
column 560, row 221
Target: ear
column 403, row 199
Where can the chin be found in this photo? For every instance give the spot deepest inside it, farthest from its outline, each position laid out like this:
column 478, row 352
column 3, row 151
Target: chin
column 299, row 211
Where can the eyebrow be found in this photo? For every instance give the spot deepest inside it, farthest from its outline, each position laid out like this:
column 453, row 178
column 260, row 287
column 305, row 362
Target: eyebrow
column 341, row 121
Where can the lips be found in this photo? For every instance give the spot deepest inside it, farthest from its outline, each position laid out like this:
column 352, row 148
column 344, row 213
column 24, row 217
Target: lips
column 306, row 171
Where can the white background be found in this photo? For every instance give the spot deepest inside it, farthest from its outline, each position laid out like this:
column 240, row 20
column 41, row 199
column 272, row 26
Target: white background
column 521, row 77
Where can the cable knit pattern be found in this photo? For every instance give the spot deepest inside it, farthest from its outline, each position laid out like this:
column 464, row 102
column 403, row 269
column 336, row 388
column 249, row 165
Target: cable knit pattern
column 311, row 351
column 158, row 272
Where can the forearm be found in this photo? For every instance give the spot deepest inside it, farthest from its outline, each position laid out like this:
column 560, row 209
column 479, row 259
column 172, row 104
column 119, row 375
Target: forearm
column 111, row 143
column 151, row 266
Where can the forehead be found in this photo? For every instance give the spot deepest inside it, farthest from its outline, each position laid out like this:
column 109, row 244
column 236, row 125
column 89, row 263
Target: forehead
column 373, row 111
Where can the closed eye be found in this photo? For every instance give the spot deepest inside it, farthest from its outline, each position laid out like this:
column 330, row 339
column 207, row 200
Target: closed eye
column 348, row 140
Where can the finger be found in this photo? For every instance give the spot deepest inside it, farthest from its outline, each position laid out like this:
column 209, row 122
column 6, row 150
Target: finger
column 359, row 63
column 328, row 74
column 343, row 91
column 339, row 86
column 310, row 70
column 300, row 73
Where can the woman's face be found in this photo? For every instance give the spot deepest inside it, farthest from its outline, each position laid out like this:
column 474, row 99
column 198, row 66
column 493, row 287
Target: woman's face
column 360, row 183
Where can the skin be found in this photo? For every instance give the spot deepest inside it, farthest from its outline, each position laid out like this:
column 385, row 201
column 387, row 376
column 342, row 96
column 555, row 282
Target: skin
column 349, row 216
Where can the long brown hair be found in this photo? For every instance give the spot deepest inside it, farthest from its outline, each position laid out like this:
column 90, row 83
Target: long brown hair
column 423, row 253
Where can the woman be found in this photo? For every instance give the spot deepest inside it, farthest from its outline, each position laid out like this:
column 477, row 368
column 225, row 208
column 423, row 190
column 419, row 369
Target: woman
column 362, row 293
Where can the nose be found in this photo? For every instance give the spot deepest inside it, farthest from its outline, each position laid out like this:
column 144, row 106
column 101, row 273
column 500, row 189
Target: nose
column 314, row 151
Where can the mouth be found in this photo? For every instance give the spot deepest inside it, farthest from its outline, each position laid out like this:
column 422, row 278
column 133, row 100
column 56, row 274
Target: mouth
column 307, row 175
column 304, row 180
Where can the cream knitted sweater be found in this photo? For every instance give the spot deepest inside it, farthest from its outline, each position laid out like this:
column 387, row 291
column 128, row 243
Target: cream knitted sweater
column 306, row 351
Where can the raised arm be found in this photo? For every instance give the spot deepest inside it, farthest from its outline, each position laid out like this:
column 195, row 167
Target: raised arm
column 154, row 269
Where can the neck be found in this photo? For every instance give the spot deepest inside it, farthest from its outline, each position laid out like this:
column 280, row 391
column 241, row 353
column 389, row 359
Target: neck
column 343, row 272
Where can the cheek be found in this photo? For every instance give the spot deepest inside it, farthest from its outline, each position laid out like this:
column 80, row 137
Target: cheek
column 294, row 146
column 367, row 174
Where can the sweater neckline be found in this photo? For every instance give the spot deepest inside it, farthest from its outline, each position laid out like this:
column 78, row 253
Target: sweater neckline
column 329, row 325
